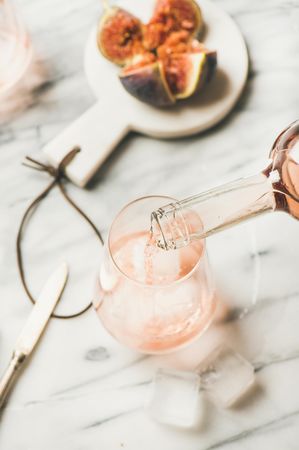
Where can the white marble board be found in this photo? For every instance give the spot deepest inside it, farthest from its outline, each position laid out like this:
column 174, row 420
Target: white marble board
column 116, row 113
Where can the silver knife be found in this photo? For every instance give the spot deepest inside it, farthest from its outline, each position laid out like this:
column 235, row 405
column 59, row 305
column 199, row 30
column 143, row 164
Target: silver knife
column 34, row 328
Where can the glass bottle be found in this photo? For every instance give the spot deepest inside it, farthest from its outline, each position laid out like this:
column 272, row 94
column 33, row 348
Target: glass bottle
column 274, row 189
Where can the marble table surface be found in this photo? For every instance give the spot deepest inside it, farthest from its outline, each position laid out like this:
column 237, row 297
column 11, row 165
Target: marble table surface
column 82, row 390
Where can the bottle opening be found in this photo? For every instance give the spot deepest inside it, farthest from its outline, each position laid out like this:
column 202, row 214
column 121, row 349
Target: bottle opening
column 169, row 227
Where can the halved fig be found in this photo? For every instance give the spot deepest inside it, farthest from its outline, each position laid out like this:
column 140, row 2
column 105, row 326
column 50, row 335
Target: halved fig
column 170, row 16
column 147, row 83
column 119, row 35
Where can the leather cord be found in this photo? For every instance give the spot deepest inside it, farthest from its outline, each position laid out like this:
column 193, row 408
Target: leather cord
column 57, row 174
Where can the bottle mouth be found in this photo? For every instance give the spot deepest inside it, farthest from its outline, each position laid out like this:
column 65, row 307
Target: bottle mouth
column 169, row 228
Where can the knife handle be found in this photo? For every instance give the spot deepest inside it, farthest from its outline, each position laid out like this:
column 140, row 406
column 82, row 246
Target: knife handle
column 10, row 375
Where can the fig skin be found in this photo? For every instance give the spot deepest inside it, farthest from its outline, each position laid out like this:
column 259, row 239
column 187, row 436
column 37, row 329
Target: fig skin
column 211, row 64
column 119, row 35
column 207, row 72
column 204, row 75
column 148, row 84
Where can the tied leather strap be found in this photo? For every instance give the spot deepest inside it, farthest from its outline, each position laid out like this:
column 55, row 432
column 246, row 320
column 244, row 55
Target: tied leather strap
column 58, row 175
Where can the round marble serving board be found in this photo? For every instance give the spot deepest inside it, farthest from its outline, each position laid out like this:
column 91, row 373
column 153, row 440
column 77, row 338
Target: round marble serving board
column 116, row 113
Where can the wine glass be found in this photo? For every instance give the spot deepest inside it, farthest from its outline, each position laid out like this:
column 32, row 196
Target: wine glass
column 148, row 299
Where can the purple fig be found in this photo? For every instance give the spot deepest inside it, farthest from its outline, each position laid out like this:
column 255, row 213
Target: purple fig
column 148, row 84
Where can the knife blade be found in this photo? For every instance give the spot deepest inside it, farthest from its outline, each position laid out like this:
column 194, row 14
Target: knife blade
column 34, row 327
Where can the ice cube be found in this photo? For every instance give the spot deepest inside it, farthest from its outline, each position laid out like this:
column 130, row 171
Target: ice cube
column 225, row 376
column 177, row 307
column 165, row 266
column 174, row 398
column 138, row 259
column 130, row 257
column 144, row 262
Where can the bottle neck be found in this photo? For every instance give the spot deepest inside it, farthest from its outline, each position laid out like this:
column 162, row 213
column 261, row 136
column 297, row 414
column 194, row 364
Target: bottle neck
column 177, row 224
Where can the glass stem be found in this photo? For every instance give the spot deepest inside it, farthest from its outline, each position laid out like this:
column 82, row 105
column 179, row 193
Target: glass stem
column 217, row 209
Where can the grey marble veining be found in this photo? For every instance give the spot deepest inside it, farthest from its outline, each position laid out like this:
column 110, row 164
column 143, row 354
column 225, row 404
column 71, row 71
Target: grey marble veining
column 82, row 390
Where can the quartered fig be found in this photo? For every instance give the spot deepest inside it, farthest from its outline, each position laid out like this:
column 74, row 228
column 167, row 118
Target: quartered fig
column 119, row 35
column 184, row 73
column 170, row 16
column 163, row 60
column 148, row 84
column 188, row 64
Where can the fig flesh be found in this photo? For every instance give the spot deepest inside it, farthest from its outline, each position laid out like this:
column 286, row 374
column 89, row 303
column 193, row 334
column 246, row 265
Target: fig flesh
column 119, row 35
column 184, row 73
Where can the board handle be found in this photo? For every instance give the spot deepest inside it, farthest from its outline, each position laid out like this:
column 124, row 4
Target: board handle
column 96, row 132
